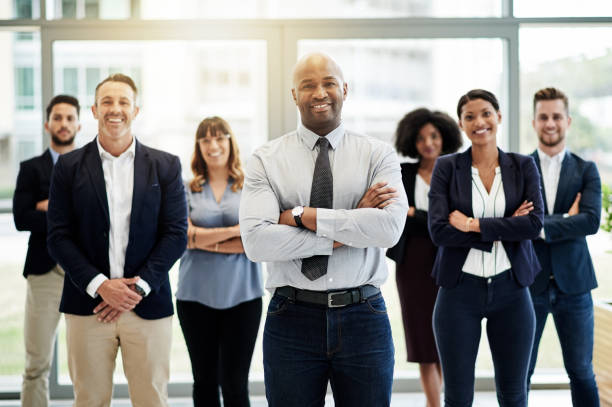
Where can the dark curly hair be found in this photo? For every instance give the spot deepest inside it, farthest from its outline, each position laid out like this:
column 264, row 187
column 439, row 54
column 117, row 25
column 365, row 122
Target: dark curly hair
column 408, row 129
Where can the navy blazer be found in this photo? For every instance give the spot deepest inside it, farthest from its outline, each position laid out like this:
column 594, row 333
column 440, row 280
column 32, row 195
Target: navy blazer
column 415, row 225
column 33, row 186
column 451, row 189
column 78, row 226
column 565, row 254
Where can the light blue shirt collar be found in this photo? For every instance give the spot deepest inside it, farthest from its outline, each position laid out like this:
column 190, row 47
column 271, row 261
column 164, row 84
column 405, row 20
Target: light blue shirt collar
column 54, row 155
column 310, row 138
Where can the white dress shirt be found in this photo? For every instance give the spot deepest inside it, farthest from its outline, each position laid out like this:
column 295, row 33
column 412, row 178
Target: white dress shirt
column 421, row 190
column 487, row 205
column 119, row 182
column 551, row 170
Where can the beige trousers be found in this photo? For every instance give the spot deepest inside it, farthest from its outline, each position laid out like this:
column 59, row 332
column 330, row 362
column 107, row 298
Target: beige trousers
column 41, row 319
column 145, row 350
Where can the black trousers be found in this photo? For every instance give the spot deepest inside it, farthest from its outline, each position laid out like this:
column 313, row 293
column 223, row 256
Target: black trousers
column 220, row 345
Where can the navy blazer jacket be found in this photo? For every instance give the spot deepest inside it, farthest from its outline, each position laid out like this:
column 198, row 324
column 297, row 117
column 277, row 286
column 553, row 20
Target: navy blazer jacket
column 78, row 226
column 565, row 253
column 415, row 225
column 33, row 186
column 451, row 189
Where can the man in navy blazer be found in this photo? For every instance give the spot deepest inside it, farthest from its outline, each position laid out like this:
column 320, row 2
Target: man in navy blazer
column 572, row 196
column 45, row 277
column 117, row 222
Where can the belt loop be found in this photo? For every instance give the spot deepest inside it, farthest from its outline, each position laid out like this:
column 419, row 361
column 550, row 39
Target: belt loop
column 293, row 294
column 362, row 297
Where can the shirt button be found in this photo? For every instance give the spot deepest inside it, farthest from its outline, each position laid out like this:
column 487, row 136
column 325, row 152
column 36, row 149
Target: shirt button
column 324, row 235
column 331, row 280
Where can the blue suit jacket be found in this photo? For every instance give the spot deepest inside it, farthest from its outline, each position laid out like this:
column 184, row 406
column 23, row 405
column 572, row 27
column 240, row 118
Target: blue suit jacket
column 451, row 188
column 564, row 253
column 78, row 226
column 33, row 186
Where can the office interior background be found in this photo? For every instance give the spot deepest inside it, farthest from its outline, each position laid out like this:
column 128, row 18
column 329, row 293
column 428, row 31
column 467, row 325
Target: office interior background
column 233, row 58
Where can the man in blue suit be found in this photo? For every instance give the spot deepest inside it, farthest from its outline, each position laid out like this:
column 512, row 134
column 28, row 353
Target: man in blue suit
column 117, row 222
column 571, row 189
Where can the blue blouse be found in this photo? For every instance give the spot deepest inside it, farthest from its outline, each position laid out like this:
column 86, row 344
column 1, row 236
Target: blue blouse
column 217, row 280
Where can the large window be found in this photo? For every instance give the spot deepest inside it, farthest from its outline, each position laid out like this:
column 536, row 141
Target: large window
column 234, row 58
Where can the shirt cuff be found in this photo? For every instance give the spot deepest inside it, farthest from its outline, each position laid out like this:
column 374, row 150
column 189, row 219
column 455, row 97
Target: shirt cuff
column 542, row 235
column 325, row 223
column 144, row 285
column 94, row 284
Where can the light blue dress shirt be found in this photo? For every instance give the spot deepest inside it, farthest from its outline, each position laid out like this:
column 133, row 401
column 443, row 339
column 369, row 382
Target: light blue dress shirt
column 279, row 177
column 217, row 280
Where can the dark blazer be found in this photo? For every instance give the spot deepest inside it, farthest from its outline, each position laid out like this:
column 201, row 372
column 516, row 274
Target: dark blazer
column 78, row 226
column 564, row 253
column 33, row 186
column 451, row 188
column 415, row 225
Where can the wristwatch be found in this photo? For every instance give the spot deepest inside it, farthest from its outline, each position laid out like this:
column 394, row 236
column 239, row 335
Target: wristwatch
column 139, row 290
column 297, row 215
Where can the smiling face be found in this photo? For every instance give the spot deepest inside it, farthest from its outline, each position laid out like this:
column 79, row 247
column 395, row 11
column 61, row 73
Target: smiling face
column 319, row 92
column 551, row 123
column 63, row 124
column 215, row 149
column 429, row 142
column 115, row 108
column 479, row 121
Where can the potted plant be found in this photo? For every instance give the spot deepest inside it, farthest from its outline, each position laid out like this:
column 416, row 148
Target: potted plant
column 606, row 204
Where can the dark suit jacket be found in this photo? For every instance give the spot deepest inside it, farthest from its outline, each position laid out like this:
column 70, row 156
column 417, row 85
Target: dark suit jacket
column 78, row 226
column 415, row 225
column 451, row 188
column 564, row 253
column 33, row 186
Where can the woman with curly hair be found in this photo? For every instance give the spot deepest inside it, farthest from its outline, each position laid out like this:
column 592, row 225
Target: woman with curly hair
column 423, row 135
column 219, row 289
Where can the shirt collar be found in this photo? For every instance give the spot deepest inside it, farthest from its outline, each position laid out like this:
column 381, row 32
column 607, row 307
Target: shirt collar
column 54, row 155
column 557, row 158
column 105, row 155
column 310, row 138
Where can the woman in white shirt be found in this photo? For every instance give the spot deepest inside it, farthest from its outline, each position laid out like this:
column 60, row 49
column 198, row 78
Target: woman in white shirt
column 485, row 206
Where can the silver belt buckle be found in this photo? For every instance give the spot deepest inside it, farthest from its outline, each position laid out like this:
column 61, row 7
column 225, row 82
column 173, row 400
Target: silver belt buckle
column 330, row 299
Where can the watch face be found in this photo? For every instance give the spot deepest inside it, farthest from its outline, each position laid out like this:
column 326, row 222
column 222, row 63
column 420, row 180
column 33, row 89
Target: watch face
column 297, row 211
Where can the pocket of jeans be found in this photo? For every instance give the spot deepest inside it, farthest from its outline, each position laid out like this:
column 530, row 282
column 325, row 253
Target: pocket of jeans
column 277, row 305
column 377, row 304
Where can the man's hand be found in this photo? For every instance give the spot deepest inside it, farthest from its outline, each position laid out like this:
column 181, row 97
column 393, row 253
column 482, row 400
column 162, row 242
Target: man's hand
column 106, row 313
column 42, row 205
column 523, row 209
column 378, row 196
column 411, row 211
column 117, row 293
column 574, row 209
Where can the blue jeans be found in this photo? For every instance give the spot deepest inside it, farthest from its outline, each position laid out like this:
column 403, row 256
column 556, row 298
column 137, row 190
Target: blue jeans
column 573, row 316
column 510, row 326
column 306, row 345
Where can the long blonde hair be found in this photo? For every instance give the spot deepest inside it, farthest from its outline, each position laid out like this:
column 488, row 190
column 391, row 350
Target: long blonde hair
column 215, row 125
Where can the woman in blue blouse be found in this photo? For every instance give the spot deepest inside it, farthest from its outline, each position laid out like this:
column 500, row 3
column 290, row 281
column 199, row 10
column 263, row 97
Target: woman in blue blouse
column 219, row 289
column 485, row 207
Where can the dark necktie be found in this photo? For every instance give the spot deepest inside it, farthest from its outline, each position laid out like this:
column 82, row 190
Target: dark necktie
column 321, row 196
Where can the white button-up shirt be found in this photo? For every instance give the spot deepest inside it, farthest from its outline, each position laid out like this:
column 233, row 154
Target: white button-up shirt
column 119, row 183
column 551, row 170
column 485, row 204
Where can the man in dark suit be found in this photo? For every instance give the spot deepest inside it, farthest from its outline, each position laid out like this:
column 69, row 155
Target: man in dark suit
column 563, row 288
column 117, row 223
column 44, row 276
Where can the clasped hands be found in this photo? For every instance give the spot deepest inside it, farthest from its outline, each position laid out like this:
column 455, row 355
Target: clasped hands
column 118, row 296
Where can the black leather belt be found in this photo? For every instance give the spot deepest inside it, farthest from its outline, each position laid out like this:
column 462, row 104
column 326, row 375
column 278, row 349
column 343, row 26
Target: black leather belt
column 332, row 299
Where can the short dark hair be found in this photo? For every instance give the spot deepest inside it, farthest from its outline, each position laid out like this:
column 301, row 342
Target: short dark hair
column 477, row 94
column 550, row 94
column 71, row 100
column 408, row 129
column 117, row 77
